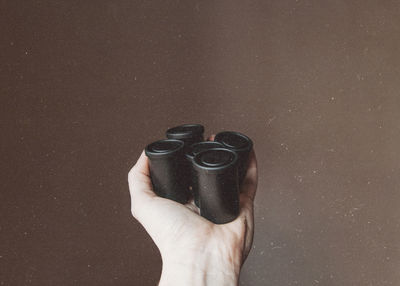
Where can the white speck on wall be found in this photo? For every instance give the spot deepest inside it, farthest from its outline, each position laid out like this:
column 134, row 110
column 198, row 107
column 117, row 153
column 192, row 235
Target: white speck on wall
column 271, row 119
column 299, row 178
column 284, row 145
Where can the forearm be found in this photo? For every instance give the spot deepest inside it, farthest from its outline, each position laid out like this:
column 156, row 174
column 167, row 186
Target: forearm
column 203, row 270
column 183, row 275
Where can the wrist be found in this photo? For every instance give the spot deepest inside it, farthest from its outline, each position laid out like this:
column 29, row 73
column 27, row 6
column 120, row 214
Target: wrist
column 199, row 269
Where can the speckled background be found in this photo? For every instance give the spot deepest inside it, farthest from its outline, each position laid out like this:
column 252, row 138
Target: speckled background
column 86, row 85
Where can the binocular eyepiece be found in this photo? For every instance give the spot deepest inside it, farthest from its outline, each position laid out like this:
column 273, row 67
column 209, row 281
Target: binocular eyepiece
column 211, row 171
column 188, row 133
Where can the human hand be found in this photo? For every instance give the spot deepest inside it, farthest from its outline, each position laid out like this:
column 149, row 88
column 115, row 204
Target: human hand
column 194, row 250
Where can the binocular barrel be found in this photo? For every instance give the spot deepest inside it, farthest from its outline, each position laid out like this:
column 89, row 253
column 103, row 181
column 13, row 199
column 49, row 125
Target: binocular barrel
column 191, row 152
column 218, row 189
column 239, row 143
column 167, row 164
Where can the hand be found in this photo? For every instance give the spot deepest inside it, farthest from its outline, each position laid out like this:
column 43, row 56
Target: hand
column 194, row 250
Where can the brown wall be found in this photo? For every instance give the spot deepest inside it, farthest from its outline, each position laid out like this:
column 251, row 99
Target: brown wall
column 86, row 84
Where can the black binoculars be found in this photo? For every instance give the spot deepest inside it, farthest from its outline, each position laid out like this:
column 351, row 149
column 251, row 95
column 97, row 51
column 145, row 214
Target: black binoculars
column 185, row 165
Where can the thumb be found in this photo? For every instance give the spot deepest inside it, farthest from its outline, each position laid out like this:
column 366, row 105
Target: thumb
column 140, row 187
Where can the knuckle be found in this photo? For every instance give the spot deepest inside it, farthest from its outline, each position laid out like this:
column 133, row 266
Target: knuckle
column 134, row 211
column 132, row 174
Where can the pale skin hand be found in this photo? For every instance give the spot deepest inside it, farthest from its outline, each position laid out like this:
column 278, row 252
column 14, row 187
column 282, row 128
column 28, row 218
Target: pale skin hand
column 194, row 250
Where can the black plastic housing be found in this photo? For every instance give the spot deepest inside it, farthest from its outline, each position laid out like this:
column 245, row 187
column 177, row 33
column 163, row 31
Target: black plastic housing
column 191, row 152
column 188, row 133
column 218, row 190
column 167, row 160
column 239, row 143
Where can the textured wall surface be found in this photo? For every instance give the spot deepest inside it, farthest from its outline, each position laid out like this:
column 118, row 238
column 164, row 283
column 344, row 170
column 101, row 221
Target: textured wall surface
column 85, row 85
